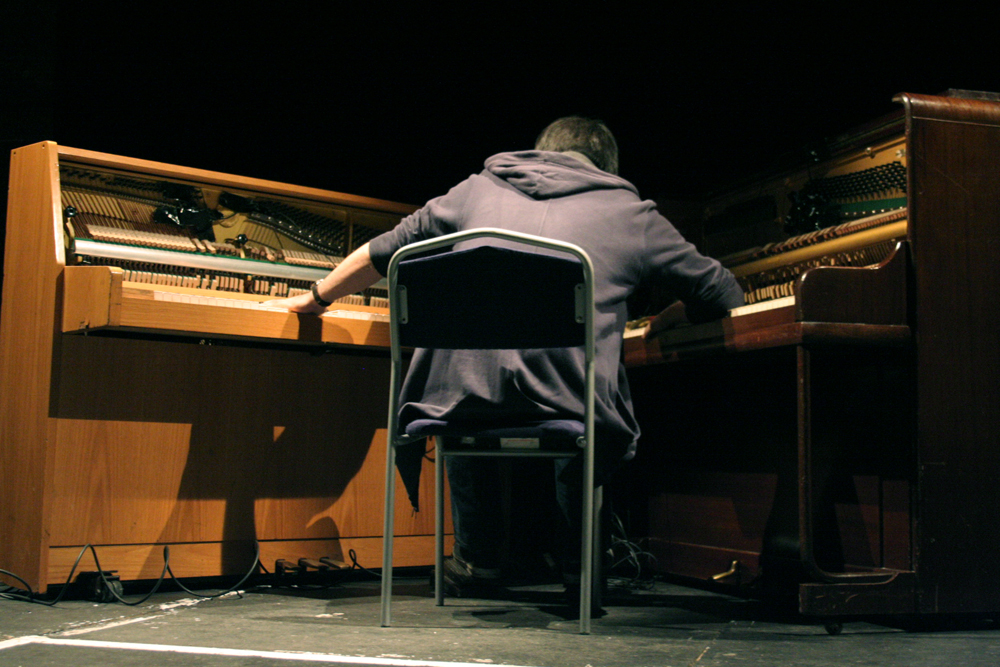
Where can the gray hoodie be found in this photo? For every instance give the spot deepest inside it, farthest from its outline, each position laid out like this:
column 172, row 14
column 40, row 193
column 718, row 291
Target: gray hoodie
column 560, row 196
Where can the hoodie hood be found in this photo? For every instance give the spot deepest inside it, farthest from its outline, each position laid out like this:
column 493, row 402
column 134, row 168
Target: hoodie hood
column 545, row 174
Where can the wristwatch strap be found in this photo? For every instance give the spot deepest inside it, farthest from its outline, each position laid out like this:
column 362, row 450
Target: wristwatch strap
column 319, row 300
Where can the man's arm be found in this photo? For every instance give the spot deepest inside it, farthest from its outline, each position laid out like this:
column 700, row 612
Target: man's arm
column 352, row 275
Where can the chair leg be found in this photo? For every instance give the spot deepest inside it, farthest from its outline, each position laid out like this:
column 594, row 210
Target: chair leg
column 387, row 532
column 597, row 580
column 438, row 522
column 587, row 544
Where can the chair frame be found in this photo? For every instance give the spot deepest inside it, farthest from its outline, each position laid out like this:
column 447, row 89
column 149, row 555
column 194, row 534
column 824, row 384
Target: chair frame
column 585, row 310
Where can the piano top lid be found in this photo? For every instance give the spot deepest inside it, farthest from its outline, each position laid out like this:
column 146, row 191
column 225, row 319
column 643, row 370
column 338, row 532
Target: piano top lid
column 219, row 179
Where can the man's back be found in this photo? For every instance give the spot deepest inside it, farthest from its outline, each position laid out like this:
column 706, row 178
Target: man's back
column 563, row 197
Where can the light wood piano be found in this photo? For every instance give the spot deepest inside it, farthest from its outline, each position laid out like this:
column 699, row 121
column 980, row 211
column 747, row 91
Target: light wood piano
column 148, row 397
column 836, row 442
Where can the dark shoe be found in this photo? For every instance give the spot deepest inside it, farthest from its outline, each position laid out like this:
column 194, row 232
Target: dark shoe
column 477, row 566
column 464, row 578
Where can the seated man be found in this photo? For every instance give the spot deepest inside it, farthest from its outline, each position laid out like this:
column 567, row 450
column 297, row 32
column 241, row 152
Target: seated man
column 566, row 189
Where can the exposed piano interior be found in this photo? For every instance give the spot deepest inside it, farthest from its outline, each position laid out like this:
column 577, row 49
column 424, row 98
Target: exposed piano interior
column 185, row 235
column 834, row 441
column 174, row 240
column 847, row 208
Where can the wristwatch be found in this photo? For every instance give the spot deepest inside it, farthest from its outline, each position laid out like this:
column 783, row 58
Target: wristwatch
column 315, row 292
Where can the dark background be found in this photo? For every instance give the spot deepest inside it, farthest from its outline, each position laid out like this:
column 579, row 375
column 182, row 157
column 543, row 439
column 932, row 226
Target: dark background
column 400, row 101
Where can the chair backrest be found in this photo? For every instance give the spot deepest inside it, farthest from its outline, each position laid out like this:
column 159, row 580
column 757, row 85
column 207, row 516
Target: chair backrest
column 491, row 297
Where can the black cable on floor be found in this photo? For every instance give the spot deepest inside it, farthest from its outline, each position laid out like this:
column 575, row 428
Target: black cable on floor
column 253, row 568
column 29, row 595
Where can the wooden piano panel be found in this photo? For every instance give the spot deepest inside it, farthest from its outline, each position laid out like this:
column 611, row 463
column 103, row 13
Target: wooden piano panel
column 217, row 442
column 953, row 146
column 32, row 264
column 721, row 447
column 717, row 453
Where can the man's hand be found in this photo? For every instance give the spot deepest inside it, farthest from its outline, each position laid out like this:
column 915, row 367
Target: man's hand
column 301, row 303
column 669, row 317
column 352, row 275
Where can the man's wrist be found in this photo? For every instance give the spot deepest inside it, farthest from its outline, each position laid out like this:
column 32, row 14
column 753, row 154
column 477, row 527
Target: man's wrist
column 320, row 301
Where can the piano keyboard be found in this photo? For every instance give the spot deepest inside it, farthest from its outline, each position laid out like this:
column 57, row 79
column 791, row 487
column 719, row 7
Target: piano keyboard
column 768, row 274
column 742, row 311
column 249, row 304
column 761, row 306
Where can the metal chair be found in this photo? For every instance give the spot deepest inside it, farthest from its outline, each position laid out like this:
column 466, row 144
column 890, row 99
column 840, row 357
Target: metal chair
column 508, row 295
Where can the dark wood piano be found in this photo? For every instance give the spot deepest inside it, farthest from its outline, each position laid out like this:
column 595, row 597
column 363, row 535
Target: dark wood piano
column 837, row 440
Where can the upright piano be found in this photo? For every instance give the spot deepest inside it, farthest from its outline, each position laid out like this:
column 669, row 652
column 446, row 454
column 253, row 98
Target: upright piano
column 836, row 441
column 148, row 398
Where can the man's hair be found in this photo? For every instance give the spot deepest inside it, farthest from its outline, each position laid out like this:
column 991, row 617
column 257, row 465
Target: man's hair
column 584, row 135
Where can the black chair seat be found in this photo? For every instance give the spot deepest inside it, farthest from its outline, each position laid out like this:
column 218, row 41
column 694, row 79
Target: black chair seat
column 556, row 435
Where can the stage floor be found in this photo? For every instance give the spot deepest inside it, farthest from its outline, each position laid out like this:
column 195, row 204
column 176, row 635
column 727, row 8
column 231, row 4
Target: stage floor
column 666, row 626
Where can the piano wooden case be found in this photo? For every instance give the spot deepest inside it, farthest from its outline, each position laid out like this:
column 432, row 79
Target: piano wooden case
column 843, row 448
column 133, row 415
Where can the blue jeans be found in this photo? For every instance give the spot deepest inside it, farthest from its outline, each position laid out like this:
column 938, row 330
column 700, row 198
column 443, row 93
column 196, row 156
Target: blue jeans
column 475, row 495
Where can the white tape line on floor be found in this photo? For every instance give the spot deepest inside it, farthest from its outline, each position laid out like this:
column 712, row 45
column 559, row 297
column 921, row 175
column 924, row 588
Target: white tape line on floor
column 239, row 653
